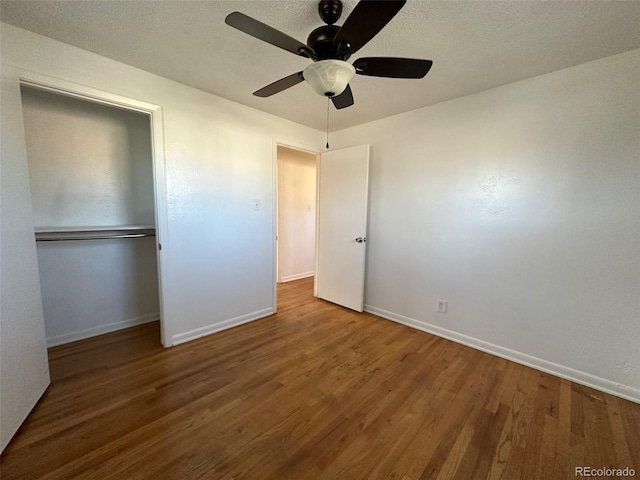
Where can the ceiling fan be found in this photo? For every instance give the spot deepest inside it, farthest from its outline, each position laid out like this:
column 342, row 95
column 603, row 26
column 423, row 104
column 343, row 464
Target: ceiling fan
column 330, row 46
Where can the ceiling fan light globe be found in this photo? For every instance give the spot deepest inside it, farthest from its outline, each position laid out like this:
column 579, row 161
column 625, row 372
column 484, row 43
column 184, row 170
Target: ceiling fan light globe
column 329, row 77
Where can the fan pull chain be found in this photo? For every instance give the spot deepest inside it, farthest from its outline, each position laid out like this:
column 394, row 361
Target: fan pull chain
column 327, row 123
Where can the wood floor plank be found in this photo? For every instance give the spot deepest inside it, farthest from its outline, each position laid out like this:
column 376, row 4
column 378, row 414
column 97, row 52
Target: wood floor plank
column 313, row 392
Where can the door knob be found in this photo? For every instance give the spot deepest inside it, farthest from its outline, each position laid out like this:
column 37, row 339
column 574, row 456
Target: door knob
column 361, row 239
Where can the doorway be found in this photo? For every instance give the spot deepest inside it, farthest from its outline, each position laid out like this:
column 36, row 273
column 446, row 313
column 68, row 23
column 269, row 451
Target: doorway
column 94, row 189
column 296, row 192
column 341, row 213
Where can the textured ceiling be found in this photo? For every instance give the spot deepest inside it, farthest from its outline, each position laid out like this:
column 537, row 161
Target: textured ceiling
column 475, row 46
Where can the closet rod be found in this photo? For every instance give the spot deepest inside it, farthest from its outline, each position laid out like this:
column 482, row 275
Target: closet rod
column 94, row 237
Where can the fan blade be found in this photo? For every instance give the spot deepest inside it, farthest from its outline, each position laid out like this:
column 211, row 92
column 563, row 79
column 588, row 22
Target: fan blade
column 280, row 85
column 268, row 34
column 365, row 21
column 392, row 67
column 344, row 100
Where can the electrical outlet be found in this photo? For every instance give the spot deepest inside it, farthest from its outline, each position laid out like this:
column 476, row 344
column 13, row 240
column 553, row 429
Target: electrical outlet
column 442, row 306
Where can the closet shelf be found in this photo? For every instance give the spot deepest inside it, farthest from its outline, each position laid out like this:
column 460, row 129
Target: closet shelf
column 61, row 234
column 94, row 228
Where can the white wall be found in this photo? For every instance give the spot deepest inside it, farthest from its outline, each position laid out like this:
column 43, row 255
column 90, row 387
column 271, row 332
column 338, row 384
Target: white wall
column 520, row 206
column 90, row 165
column 296, row 214
column 218, row 256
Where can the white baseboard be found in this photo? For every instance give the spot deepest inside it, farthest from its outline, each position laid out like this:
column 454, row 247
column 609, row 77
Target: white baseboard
column 217, row 327
column 99, row 330
column 297, row 276
column 583, row 378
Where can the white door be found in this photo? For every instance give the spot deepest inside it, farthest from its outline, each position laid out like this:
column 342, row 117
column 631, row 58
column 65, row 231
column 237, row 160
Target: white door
column 343, row 180
column 23, row 348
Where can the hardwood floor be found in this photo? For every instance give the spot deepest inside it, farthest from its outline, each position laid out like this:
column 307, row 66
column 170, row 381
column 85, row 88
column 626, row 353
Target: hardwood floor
column 314, row 392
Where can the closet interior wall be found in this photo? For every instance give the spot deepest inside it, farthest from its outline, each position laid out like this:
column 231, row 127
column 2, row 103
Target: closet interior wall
column 91, row 175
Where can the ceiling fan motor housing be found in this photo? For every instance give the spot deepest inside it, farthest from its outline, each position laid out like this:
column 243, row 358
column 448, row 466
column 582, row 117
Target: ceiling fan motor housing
column 321, row 40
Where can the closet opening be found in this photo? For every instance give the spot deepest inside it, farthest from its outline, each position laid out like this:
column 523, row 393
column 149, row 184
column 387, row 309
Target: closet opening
column 94, row 195
column 296, row 191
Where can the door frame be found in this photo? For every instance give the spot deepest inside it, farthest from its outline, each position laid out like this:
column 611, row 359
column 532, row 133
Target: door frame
column 69, row 89
column 283, row 142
